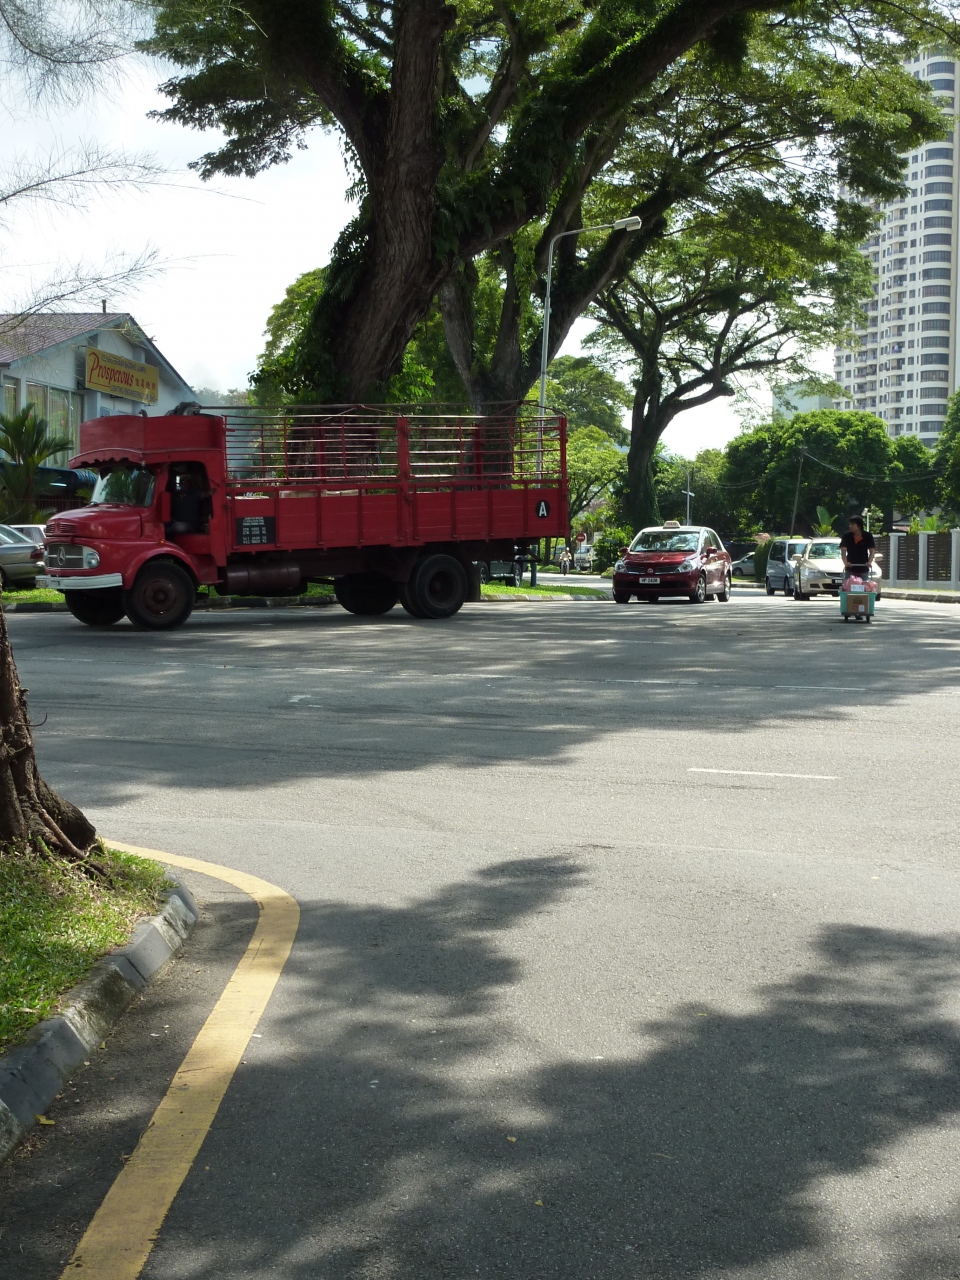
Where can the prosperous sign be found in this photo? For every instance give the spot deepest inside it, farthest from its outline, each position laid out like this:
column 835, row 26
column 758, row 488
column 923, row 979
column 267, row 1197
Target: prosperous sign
column 121, row 377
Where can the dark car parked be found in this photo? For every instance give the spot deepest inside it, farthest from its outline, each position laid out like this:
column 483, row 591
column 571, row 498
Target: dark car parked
column 673, row 560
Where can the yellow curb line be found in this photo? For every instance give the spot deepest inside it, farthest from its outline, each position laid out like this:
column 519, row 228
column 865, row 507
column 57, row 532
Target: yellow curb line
column 118, row 1241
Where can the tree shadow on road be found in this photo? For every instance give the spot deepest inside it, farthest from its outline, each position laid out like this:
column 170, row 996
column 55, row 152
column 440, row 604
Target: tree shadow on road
column 371, row 1133
column 236, row 704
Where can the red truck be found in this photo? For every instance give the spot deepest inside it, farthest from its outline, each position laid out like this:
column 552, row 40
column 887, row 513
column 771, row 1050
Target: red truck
column 388, row 507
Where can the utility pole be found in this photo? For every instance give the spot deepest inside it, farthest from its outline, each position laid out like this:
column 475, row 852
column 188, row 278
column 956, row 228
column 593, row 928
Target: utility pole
column 688, row 472
column 796, row 494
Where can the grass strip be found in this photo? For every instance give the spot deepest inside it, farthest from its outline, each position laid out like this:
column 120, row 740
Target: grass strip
column 55, row 922
column 500, row 590
column 42, row 595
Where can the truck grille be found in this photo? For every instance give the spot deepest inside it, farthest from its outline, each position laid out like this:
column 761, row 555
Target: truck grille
column 63, row 555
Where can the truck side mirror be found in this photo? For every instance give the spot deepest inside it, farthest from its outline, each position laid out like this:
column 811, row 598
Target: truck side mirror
column 165, row 507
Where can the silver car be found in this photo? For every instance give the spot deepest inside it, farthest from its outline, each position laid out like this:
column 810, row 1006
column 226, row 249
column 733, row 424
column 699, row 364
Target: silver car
column 20, row 560
column 819, row 570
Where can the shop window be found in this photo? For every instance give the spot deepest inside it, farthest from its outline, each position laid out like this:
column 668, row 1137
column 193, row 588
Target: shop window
column 37, row 396
column 58, row 421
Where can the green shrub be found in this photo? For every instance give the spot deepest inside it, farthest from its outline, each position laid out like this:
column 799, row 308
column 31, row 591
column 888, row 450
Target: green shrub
column 606, row 549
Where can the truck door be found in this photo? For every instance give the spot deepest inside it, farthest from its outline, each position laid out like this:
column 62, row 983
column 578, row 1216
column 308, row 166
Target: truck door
column 190, row 500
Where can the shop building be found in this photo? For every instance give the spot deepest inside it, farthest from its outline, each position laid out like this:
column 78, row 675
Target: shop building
column 72, row 366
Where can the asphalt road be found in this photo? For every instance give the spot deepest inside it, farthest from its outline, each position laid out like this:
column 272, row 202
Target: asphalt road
column 581, row 990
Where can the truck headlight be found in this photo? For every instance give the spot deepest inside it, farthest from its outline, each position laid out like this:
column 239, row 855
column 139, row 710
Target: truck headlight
column 90, row 558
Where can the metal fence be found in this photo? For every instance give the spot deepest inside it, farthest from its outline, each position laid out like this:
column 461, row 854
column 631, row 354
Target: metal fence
column 921, row 559
column 364, row 445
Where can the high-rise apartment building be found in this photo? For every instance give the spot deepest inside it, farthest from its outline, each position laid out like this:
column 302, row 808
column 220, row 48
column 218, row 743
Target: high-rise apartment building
column 907, row 363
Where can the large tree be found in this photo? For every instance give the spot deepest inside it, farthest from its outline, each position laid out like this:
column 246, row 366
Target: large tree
column 468, row 124
column 757, row 290
column 841, row 460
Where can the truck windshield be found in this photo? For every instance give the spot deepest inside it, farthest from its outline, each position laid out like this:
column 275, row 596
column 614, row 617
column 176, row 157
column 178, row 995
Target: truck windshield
column 125, row 486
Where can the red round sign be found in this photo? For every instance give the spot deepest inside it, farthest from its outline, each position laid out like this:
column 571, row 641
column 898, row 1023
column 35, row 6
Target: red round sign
column 581, row 537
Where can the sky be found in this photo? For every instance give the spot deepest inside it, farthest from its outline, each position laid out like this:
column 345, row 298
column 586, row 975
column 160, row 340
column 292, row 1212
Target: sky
column 230, row 247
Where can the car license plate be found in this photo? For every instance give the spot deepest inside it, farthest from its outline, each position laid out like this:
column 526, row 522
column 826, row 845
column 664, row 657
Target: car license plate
column 650, row 582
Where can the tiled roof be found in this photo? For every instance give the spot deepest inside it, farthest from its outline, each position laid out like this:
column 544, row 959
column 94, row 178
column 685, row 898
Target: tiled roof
column 48, row 329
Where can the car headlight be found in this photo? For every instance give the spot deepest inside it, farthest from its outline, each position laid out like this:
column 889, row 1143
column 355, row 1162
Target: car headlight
column 619, row 565
column 686, row 565
column 90, row 558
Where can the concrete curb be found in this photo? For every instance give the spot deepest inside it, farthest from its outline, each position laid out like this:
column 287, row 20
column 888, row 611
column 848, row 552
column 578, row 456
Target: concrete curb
column 33, row 1074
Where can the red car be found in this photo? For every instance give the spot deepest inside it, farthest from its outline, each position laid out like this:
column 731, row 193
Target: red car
column 673, row 560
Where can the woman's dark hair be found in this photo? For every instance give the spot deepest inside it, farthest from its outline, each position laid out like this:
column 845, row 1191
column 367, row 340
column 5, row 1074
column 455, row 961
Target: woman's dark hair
column 856, row 520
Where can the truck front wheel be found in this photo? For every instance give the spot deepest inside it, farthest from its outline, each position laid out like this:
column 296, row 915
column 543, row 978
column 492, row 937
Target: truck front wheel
column 96, row 608
column 437, row 587
column 161, row 597
column 365, row 594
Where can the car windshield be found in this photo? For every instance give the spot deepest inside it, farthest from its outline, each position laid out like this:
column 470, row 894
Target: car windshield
column 125, row 486
column 665, row 540
column 9, row 536
column 825, row 551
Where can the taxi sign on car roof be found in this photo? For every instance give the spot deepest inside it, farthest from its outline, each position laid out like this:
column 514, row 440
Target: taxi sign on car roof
column 671, row 524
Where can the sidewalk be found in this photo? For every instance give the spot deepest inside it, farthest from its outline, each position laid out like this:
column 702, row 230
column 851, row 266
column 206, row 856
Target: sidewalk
column 925, row 595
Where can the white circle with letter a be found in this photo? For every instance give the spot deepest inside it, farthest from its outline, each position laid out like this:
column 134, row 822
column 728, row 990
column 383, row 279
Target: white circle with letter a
column 543, row 509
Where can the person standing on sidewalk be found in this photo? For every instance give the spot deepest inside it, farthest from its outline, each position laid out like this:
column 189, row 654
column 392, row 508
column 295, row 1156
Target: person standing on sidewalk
column 858, row 549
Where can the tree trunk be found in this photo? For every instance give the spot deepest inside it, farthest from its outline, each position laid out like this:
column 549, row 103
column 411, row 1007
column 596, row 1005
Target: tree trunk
column 32, row 815
column 647, row 426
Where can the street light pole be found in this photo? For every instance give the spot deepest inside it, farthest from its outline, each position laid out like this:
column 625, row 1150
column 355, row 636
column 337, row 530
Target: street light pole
column 621, row 224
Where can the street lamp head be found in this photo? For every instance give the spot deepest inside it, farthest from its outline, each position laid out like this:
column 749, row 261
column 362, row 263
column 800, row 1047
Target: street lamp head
column 628, row 224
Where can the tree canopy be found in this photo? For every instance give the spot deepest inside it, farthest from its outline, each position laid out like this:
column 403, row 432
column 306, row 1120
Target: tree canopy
column 594, row 464
column 845, row 461
column 472, row 129
column 755, row 288
column 589, row 395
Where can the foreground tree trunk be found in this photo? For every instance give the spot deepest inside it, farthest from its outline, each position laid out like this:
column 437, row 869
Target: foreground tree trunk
column 32, row 815
column 648, row 423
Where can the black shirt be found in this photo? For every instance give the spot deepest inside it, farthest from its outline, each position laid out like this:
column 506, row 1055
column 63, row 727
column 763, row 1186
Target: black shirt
column 858, row 553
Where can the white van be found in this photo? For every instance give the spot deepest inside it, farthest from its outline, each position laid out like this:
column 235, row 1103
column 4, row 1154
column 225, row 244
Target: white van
column 780, row 566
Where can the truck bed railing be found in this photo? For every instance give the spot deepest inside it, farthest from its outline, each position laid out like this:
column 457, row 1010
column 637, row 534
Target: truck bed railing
column 371, row 446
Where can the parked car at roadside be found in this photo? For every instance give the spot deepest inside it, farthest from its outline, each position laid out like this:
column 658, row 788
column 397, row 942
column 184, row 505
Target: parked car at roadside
column 20, row 560
column 32, row 531
column 780, row 564
column 819, row 570
column 744, row 567
column 673, row 560
column 508, row 571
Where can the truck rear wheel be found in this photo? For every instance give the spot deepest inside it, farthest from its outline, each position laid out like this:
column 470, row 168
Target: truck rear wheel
column 437, row 587
column 162, row 597
column 365, row 594
column 96, row 608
